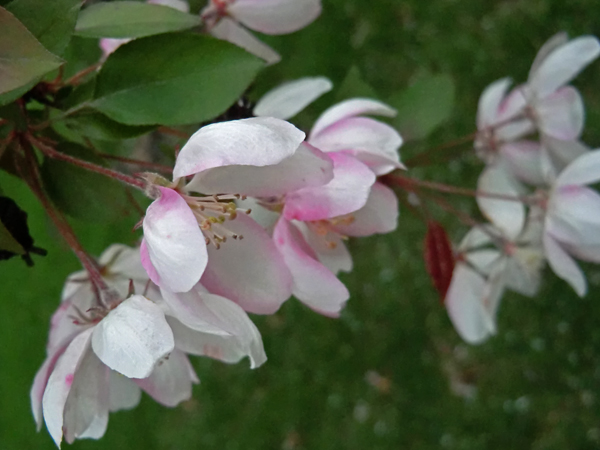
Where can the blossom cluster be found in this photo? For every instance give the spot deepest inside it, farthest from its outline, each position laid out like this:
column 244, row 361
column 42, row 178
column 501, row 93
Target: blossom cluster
column 256, row 212
column 533, row 190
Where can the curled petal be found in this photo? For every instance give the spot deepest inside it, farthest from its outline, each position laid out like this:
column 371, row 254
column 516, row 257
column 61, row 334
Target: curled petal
column 564, row 266
column 250, row 271
column 347, row 192
column 230, row 31
column 173, row 251
column 133, row 337
column 584, row 170
column 507, row 215
column 259, row 141
column 275, row 16
column 379, row 215
column 489, row 102
column 307, row 167
column 290, row 98
column 60, row 383
column 561, row 114
column 513, row 104
column 171, row 381
column 556, row 41
column 374, row 143
column 564, row 64
column 314, row 284
column 350, row 108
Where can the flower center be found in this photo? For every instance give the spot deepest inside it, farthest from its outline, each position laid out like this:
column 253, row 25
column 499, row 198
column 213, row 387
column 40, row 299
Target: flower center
column 328, row 228
column 212, row 212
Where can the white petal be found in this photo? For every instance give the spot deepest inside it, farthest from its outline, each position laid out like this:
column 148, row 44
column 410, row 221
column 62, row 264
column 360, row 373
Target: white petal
column 170, row 383
column 124, row 393
column 556, row 41
column 574, row 216
column 60, row 382
column 230, row 31
column 513, row 104
column 133, row 337
column 173, row 251
column 564, row 266
column 489, row 102
column 523, row 158
column 507, row 215
column 314, row 284
column 478, row 237
column 350, row 108
column 561, row 115
column 250, row 271
column 562, row 153
column 86, row 409
column 374, row 143
column 564, row 64
column 288, row 99
column 379, row 215
column 584, row 170
column 464, row 302
column 244, row 338
column 484, row 260
column 275, row 16
column 259, row 141
column 524, row 270
column 123, row 261
column 307, row 167
column 329, row 248
column 347, row 192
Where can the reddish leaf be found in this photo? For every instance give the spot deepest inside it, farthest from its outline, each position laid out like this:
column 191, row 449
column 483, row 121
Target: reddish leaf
column 439, row 259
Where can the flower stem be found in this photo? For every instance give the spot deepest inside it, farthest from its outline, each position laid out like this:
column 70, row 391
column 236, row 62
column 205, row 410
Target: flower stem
column 55, row 154
column 137, row 162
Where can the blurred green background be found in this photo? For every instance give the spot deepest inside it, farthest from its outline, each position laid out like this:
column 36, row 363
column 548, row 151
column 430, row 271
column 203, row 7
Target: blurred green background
column 391, row 372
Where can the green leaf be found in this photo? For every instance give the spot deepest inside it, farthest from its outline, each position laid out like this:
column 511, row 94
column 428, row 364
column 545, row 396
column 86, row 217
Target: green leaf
column 424, row 106
column 23, row 59
column 354, row 86
column 173, row 79
column 8, row 242
column 80, row 193
column 130, row 19
column 95, row 125
column 51, row 22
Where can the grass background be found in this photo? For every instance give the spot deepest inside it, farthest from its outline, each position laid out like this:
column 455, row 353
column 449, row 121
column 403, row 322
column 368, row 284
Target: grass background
column 386, row 374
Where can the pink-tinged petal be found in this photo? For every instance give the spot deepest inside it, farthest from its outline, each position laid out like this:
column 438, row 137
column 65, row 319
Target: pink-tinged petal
column 350, row 108
column 561, row 114
column 307, row 167
column 314, row 284
column 191, row 309
column 564, row 64
column 86, row 409
column 251, row 272
column 180, row 5
column 524, row 161
column 564, row 266
column 513, row 104
column 124, row 393
column 507, row 215
column 514, row 130
column 133, row 337
column 60, row 382
column 228, row 30
column 170, row 382
column 379, row 215
column 556, row 41
column 259, row 141
column 465, row 304
column 489, row 102
column 62, row 328
column 584, row 170
column 109, row 45
column 329, row 248
column 275, row 16
column 585, row 252
column 244, row 338
column 288, row 99
column 174, row 250
column 374, row 143
column 574, row 215
column 346, row 193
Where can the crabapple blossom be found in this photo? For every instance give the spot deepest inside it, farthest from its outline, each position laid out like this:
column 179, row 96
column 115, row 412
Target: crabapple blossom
column 100, row 358
column 228, row 20
column 572, row 225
